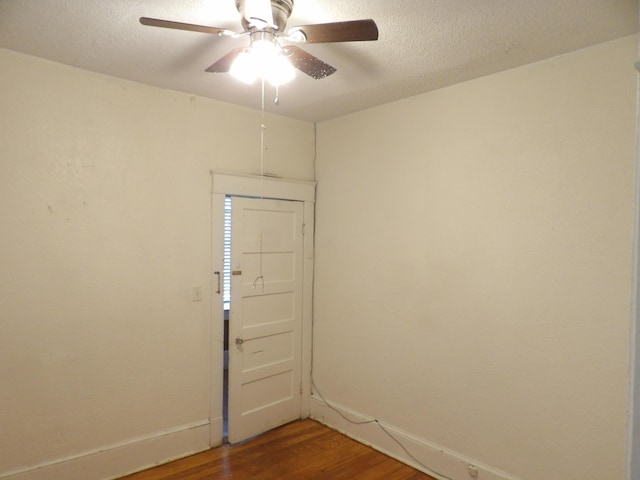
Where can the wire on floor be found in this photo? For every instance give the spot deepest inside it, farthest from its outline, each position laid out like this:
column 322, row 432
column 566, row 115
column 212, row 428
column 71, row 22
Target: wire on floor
column 382, row 427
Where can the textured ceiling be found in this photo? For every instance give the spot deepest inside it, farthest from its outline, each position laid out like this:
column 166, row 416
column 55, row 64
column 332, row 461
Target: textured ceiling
column 423, row 45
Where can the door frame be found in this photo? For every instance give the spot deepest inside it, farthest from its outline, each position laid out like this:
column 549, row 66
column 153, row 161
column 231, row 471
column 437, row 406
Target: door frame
column 633, row 408
column 223, row 184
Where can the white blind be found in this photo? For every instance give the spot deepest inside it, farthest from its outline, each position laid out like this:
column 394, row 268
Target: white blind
column 226, row 265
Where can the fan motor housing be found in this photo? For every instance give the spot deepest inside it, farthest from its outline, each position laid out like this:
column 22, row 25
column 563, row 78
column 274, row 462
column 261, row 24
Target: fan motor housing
column 281, row 10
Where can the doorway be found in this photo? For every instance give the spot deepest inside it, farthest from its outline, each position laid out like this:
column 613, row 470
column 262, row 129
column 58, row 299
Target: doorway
column 268, row 339
column 265, row 316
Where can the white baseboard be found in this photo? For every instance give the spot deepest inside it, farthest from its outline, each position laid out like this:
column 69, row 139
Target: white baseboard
column 428, row 457
column 215, row 432
column 114, row 461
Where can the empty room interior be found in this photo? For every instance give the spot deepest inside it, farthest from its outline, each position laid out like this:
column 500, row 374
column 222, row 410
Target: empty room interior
column 431, row 238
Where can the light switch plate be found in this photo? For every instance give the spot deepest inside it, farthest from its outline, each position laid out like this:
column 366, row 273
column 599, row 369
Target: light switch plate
column 196, row 294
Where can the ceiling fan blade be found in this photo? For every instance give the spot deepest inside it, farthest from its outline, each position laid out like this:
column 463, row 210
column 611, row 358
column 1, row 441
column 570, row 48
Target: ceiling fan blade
column 224, row 64
column 351, row 31
column 307, row 63
column 257, row 13
column 156, row 22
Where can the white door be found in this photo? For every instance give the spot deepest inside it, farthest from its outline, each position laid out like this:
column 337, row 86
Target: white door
column 266, row 315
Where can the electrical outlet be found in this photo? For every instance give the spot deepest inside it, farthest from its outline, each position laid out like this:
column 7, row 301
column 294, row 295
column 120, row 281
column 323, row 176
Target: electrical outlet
column 472, row 470
column 196, row 294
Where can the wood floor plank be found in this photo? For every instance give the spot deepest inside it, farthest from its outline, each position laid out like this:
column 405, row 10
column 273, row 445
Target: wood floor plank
column 300, row 450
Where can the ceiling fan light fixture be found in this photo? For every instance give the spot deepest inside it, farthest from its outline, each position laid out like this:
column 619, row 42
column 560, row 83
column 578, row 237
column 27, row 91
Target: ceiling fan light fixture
column 263, row 59
column 243, row 69
column 281, row 71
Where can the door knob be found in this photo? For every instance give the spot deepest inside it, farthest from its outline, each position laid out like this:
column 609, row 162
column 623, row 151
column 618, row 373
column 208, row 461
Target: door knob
column 239, row 341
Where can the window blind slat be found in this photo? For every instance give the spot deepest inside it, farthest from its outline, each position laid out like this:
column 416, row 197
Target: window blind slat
column 226, row 265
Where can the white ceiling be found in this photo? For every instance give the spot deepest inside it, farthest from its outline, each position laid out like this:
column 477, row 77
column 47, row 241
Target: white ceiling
column 423, row 45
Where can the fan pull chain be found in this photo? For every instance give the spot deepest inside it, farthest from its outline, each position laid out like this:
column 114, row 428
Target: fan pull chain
column 262, row 130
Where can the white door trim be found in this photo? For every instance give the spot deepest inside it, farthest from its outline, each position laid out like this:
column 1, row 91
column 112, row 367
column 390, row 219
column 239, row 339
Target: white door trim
column 256, row 186
column 223, row 184
column 633, row 410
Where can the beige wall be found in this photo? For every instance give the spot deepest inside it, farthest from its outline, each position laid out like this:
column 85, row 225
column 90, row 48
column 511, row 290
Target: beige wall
column 105, row 220
column 473, row 265
column 472, row 269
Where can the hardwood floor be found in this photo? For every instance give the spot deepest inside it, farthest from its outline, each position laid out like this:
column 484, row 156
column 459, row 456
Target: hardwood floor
column 301, row 450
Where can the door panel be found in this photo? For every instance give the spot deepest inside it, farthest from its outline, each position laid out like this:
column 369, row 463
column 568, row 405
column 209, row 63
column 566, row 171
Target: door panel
column 269, row 308
column 266, row 315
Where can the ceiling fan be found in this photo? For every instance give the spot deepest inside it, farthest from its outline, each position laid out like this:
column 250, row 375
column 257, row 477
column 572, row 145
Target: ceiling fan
column 264, row 22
